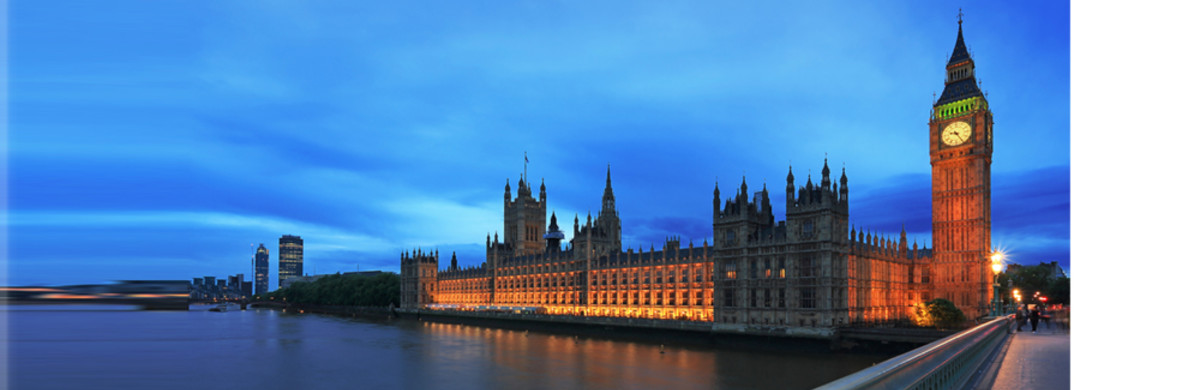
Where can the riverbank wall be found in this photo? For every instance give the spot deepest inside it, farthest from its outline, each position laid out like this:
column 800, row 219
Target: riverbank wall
column 892, row 340
column 837, row 339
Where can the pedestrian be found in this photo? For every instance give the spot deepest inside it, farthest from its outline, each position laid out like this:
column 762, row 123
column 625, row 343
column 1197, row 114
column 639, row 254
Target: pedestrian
column 1034, row 315
column 1021, row 315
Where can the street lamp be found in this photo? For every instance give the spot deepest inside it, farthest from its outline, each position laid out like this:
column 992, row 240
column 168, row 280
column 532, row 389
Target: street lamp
column 997, row 266
column 1016, row 298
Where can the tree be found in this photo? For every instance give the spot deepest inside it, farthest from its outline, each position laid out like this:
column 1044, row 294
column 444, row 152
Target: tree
column 343, row 290
column 1033, row 279
column 1059, row 291
column 939, row 313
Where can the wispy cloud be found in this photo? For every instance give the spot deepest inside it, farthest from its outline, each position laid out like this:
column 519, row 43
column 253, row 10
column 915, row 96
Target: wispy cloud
column 376, row 127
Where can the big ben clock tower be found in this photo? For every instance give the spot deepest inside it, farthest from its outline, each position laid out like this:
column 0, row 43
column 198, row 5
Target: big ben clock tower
column 960, row 153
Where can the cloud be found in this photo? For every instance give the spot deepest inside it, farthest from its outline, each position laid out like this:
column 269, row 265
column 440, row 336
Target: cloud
column 1031, row 210
column 376, row 128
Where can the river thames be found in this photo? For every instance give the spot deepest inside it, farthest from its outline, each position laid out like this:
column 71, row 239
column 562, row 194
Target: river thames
column 73, row 347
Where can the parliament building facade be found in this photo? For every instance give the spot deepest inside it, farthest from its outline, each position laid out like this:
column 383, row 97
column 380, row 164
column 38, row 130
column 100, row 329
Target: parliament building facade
column 809, row 271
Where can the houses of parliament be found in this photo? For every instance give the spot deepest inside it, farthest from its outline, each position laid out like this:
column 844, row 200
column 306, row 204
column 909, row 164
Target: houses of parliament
column 810, row 271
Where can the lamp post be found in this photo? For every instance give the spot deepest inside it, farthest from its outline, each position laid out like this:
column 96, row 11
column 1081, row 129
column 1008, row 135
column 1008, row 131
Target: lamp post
column 997, row 266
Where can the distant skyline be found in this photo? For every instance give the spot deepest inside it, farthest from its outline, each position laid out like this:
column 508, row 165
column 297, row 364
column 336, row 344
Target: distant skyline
column 167, row 140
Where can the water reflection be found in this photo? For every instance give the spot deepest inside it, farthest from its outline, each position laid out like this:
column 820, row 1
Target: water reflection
column 262, row 348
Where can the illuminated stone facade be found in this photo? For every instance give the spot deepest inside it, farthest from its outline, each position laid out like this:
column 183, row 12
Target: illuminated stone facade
column 960, row 154
column 809, row 271
column 591, row 276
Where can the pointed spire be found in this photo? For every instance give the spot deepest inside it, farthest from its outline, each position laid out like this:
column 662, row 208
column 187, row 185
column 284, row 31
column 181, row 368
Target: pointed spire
column 608, row 203
column 553, row 221
column 960, row 46
column 844, row 180
column 790, row 178
column 716, row 199
column 825, row 174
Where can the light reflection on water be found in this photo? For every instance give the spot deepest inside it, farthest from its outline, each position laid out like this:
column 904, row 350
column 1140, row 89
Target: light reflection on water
column 262, row 348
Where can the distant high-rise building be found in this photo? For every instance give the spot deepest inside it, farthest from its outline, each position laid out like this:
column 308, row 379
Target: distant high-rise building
column 291, row 257
column 262, row 269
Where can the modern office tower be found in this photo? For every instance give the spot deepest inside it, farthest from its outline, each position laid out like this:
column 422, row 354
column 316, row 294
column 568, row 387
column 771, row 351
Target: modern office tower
column 262, row 269
column 291, row 257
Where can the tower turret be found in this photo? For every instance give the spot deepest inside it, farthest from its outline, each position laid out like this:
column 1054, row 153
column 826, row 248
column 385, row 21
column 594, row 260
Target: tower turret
column 554, row 236
column 717, row 200
column 825, row 176
column 844, row 191
column 791, row 187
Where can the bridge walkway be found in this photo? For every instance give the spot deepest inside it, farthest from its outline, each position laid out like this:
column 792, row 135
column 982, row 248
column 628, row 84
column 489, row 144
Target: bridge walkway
column 1030, row 360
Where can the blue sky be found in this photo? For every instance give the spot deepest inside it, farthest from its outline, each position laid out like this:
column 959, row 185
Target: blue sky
column 166, row 140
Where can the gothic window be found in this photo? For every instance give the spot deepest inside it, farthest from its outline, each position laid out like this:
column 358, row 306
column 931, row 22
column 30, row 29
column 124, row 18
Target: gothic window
column 808, row 298
column 729, row 239
column 753, row 298
column 753, row 269
column 808, row 228
column 782, row 298
column 728, row 297
column 767, row 298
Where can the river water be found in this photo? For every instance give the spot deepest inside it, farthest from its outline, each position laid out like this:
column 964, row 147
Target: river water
column 76, row 347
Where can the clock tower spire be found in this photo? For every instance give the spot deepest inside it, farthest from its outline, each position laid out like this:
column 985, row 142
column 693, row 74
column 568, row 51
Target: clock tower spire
column 960, row 156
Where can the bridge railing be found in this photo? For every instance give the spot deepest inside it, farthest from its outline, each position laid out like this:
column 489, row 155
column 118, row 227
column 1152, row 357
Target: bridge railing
column 944, row 364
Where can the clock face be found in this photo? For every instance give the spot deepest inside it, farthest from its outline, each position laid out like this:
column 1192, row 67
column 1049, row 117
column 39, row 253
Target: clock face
column 956, row 133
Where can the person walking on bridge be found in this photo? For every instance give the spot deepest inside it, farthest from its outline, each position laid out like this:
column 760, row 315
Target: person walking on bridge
column 1021, row 315
column 1034, row 315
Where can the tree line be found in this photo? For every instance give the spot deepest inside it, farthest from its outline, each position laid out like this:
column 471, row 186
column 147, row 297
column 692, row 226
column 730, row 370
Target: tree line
column 1034, row 279
column 342, row 290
